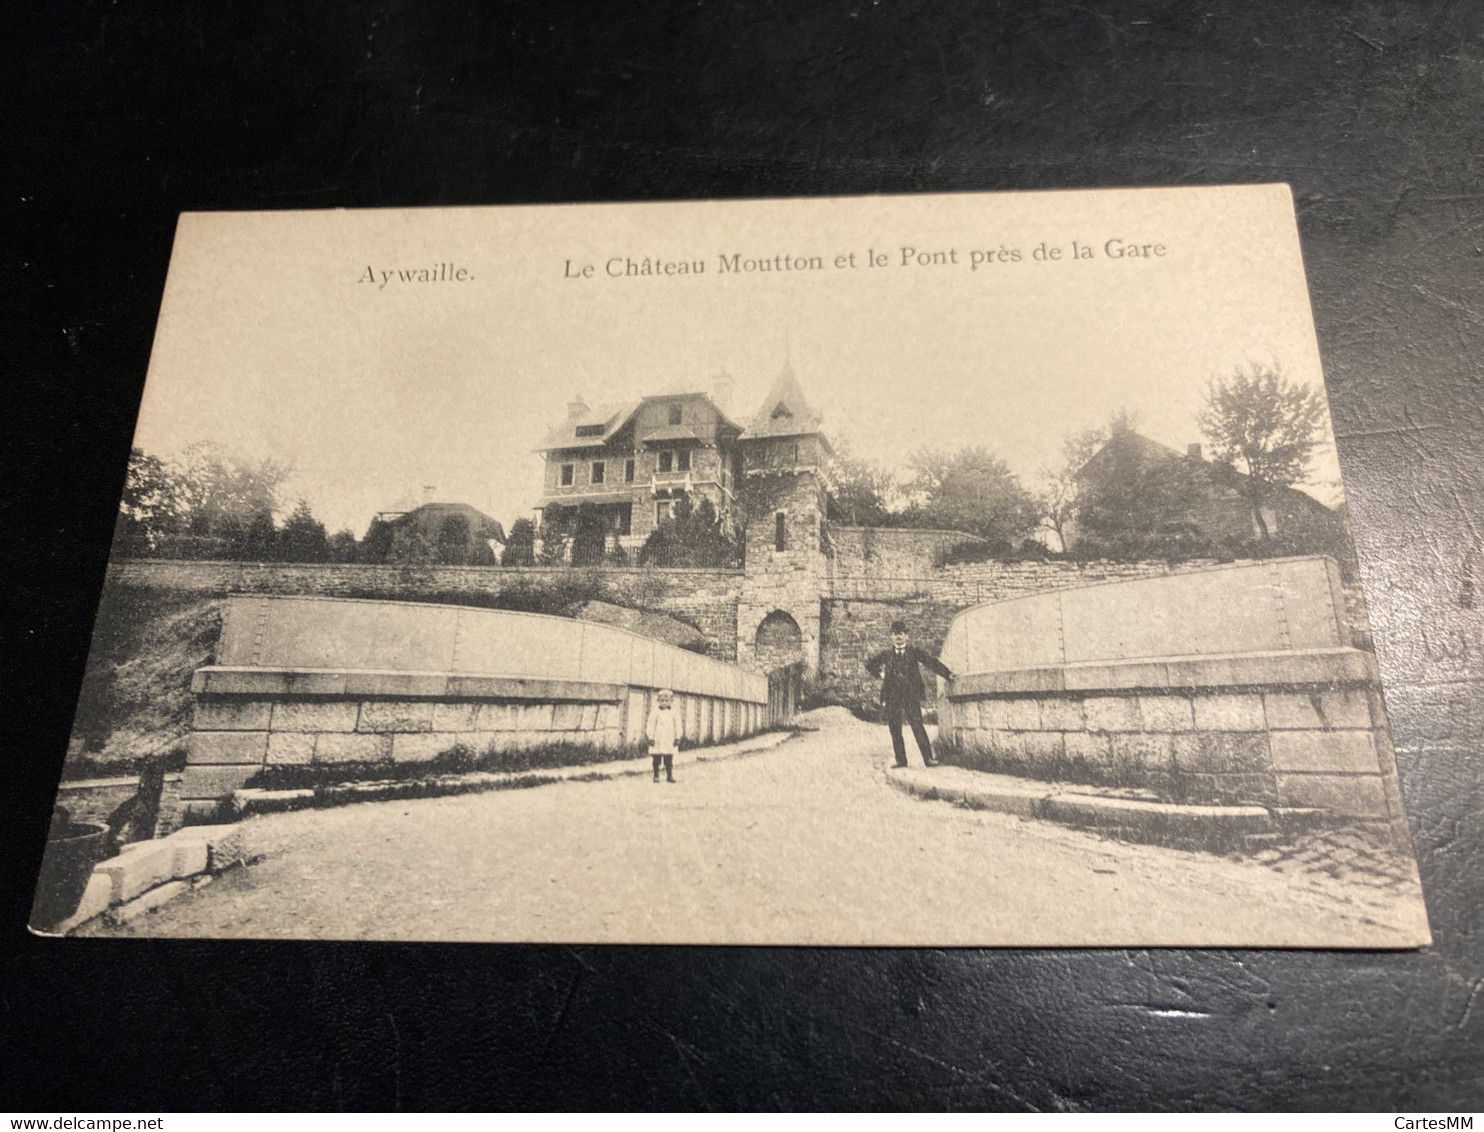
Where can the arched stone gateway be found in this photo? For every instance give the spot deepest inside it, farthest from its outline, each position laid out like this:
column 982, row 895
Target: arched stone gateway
column 779, row 651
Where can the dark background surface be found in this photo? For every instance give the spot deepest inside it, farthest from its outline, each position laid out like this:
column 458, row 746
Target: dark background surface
column 122, row 115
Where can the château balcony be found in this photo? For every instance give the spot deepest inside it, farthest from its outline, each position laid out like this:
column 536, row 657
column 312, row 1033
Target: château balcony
column 669, row 481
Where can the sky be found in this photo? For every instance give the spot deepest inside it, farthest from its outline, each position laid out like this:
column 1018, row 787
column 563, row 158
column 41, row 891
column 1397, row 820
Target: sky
column 280, row 335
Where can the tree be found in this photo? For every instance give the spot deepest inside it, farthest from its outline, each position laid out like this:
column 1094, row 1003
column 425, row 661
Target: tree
column 860, row 491
column 258, row 540
column 520, row 549
column 589, row 536
column 558, row 529
column 1062, row 488
column 206, row 503
column 411, row 547
column 212, row 484
column 1267, row 426
column 970, row 490
column 453, row 540
column 377, row 542
column 342, row 546
column 150, row 491
column 302, row 538
column 149, row 506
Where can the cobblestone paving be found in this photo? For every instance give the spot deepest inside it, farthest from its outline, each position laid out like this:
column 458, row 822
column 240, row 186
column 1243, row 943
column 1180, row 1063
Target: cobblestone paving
column 1350, row 854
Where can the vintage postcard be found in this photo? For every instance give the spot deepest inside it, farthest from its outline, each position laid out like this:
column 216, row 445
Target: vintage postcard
column 962, row 570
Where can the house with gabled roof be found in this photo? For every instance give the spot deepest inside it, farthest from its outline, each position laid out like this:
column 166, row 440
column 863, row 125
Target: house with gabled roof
column 632, row 462
column 1216, row 499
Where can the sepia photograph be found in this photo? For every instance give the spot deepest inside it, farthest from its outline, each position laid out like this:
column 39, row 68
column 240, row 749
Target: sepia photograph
column 963, row 570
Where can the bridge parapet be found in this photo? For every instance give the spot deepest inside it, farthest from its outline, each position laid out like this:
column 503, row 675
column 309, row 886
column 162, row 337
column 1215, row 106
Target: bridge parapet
column 357, row 687
column 1231, row 684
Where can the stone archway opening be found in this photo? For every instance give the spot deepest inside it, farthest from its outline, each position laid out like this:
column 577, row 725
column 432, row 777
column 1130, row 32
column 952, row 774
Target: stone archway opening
column 779, row 649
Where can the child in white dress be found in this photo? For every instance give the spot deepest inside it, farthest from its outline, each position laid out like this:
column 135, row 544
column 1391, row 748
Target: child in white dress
column 663, row 731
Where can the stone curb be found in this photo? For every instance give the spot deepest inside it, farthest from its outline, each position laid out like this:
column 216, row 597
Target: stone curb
column 147, row 874
column 1133, row 819
column 250, row 802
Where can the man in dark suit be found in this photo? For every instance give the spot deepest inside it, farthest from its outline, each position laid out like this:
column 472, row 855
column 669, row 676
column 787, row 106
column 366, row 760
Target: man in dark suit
column 902, row 691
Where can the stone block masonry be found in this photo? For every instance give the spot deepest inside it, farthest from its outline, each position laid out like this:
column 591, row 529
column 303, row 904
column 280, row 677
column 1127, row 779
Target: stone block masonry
column 323, row 688
column 819, row 577
column 1245, row 748
column 851, row 632
column 704, row 598
column 147, row 874
column 1234, row 685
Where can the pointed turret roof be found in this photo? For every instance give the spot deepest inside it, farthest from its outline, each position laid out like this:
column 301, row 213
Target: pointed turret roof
column 785, row 411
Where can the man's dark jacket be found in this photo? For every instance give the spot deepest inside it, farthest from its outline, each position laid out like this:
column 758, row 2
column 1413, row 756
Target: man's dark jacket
column 901, row 681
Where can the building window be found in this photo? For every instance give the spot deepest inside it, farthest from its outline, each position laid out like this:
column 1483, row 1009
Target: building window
column 682, row 460
column 628, row 471
column 567, row 473
column 780, row 531
column 590, row 430
column 675, row 414
column 600, row 472
column 667, row 461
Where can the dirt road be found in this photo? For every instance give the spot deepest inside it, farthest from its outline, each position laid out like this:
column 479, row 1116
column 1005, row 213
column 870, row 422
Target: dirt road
column 804, row 844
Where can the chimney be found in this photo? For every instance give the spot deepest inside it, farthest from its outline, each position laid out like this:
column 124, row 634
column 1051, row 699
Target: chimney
column 1193, row 451
column 721, row 390
column 576, row 408
column 429, row 490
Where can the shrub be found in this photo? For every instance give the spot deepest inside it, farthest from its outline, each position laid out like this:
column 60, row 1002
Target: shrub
column 520, row 549
column 194, row 547
column 1172, row 544
column 692, row 538
column 974, row 550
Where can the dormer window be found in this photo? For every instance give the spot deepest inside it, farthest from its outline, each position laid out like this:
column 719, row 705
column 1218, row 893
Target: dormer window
column 675, row 414
column 589, row 430
column 781, row 411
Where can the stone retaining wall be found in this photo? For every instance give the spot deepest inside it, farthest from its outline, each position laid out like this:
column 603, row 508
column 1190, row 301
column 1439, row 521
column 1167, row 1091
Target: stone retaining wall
column 1236, row 684
column 890, row 552
column 704, row 598
column 853, row 631
column 911, row 576
column 888, row 567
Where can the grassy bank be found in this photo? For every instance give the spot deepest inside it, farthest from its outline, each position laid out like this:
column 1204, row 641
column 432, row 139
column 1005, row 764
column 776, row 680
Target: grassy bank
column 135, row 703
